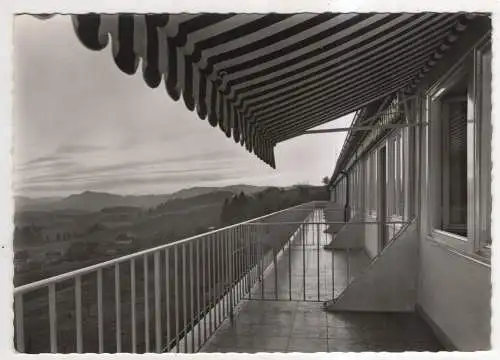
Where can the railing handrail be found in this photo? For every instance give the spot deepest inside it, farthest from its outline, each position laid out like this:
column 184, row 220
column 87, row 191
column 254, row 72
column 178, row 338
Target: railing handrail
column 331, row 223
column 105, row 264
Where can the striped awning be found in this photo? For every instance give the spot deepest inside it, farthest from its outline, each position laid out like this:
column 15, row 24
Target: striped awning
column 266, row 78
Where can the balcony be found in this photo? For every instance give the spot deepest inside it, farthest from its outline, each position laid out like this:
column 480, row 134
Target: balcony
column 258, row 286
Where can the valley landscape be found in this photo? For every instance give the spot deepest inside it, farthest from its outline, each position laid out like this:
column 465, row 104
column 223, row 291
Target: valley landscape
column 53, row 236
column 56, row 235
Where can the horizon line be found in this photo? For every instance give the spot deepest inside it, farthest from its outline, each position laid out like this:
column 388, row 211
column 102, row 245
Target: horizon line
column 156, row 194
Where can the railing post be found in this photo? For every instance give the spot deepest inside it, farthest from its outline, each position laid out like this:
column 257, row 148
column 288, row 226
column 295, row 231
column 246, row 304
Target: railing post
column 220, row 281
column 239, row 280
column 176, row 298
column 213, row 296
column 78, row 311
column 157, row 302
column 191, row 294
column 348, row 263
column 248, row 241
column 118, row 309
column 146, row 302
column 253, row 251
column 52, row 318
column 224, row 273
column 18, row 303
column 204, row 280
column 261, row 242
column 167, row 296
column 204, row 283
column 275, row 264
column 333, row 273
column 230, row 280
column 216, row 280
column 100, row 326
column 184, row 297
column 132, row 305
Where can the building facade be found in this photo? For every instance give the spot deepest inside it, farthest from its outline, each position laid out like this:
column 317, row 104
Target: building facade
column 428, row 160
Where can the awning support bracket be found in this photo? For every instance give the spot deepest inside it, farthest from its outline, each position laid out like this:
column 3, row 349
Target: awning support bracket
column 362, row 128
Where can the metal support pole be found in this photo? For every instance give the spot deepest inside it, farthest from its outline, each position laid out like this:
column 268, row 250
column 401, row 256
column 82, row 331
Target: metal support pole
column 304, row 228
column 317, row 253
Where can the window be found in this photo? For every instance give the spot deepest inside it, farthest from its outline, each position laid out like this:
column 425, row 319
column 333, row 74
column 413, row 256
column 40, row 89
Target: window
column 401, row 176
column 454, row 159
column 459, row 155
column 371, row 189
column 396, row 179
column 391, row 176
column 483, row 78
column 395, row 176
column 448, row 157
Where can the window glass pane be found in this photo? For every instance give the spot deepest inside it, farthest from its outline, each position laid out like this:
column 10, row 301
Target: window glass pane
column 396, row 176
column 402, row 175
column 457, row 159
column 485, row 199
column 454, row 159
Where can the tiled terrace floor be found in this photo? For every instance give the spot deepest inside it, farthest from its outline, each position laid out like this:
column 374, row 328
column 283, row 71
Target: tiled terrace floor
column 304, row 268
column 281, row 326
column 262, row 324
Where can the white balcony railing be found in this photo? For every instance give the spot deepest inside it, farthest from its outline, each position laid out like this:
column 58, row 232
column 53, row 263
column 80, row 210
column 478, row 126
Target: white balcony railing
column 172, row 298
column 168, row 298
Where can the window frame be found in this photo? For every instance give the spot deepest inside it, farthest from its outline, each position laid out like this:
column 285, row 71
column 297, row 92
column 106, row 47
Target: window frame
column 477, row 176
column 484, row 163
column 435, row 154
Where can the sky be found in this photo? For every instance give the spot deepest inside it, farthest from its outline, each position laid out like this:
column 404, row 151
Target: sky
column 81, row 124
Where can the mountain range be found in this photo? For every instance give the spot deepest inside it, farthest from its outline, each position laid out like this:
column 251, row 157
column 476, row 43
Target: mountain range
column 96, row 201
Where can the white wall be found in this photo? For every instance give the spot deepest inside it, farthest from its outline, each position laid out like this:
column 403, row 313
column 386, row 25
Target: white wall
column 351, row 236
column 371, row 238
column 455, row 293
column 389, row 283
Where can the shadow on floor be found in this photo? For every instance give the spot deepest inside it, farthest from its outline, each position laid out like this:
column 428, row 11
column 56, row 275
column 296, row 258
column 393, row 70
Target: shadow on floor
column 284, row 326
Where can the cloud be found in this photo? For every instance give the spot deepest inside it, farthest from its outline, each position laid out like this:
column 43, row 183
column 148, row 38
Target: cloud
column 44, row 159
column 187, row 177
column 77, row 149
column 81, row 124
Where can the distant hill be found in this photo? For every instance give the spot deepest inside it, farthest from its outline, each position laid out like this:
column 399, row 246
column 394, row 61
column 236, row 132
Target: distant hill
column 89, row 201
column 183, row 203
column 235, row 189
column 24, row 202
column 96, row 201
